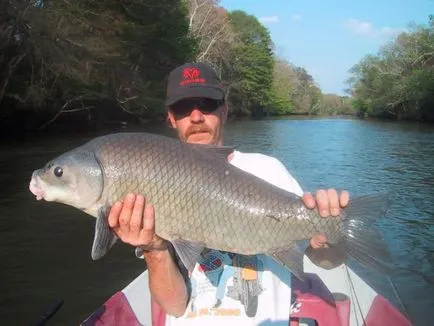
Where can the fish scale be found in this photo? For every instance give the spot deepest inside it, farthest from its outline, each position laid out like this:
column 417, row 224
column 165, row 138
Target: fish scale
column 201, row 200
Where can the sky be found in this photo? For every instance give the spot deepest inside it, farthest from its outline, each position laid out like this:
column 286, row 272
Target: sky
column 328, row 37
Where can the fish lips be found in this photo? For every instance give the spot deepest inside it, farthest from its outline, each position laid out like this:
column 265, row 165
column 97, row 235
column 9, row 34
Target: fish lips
column 35, row 188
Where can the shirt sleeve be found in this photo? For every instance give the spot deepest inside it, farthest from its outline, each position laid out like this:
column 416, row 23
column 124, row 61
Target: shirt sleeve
column 283, row 179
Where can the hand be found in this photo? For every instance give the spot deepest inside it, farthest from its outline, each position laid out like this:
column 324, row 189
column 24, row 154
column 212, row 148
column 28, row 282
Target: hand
column 134, row 223
column 327, row 202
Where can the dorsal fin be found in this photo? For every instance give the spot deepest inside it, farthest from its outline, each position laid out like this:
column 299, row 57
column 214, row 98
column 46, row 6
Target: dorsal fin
column 221, row 152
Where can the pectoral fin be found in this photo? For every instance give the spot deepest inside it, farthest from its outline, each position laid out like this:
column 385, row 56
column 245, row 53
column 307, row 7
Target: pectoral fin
column 188, row 252
column 104, row 237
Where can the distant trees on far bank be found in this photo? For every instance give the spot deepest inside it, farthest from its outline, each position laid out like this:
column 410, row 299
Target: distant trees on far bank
column 397, row 82
column 90, row 62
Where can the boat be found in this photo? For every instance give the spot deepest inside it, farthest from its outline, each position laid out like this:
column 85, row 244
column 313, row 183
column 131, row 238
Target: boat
column 356, row 302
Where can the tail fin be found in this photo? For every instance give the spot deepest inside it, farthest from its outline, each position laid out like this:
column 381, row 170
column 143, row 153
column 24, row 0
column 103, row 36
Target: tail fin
column 361, row 240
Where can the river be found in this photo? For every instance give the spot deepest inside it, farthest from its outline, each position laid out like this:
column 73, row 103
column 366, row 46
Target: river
column 45, row 248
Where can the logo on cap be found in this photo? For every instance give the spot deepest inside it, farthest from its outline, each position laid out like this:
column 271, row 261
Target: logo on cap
column 191, row 76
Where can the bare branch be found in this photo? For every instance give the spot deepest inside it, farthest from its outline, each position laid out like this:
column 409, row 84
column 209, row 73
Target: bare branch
column 193, row 14
column 78, row 109
column 205, row 20
column 211, row 26
column 127, row 99
column 421, row 57
column 12, row 64
column 213, row 40
column 63, row 110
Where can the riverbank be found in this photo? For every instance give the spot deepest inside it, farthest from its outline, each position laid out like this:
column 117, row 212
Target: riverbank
column 39, row 125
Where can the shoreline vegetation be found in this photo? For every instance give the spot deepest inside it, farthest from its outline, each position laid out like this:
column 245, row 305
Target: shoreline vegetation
column 89, row 64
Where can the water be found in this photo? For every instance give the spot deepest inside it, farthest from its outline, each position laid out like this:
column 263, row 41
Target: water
column 45, row 248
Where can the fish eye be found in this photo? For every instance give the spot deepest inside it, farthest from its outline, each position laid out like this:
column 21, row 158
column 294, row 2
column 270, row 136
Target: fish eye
column 58, row 171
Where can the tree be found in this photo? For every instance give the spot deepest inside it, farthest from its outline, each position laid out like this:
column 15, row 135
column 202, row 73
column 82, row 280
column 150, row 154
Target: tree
column 250, row 74
column 92, row 54
column 210, row 25
column 297, row 87
column 282, row 87
column 398, row 82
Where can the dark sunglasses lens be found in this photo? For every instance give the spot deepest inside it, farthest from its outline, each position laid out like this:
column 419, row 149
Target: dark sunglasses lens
column 184, row 107
column 209, row 105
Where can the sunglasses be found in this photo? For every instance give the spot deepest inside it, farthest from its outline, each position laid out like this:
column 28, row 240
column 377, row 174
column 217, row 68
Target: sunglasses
column 204, row 105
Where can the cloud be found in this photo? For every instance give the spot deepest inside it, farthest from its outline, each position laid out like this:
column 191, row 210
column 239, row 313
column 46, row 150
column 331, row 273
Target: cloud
column 296, row 17
column 359, row 27
column 390, row 31
column 269, row 19
column 366, row 28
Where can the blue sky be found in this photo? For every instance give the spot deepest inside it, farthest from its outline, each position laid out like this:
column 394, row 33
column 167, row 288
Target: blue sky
column 327, row 37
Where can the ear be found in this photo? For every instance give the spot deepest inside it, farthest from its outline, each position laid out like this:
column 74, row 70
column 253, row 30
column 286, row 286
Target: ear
column 171, row 118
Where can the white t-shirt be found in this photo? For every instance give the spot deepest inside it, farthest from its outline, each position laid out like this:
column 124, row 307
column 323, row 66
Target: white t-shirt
column 225, row 294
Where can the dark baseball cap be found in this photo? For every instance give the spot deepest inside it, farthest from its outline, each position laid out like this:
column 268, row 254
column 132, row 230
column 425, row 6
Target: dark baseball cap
column 193, row 80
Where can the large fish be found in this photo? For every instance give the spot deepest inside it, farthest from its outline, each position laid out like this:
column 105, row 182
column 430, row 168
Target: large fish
column 201, row 201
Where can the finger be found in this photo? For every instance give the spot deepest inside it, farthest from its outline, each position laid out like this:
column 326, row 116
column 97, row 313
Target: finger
column 308, row 200
column 127, row 210
column 322, row 203
column 137, row 216
column 115, row 211
column 147, row 233
column 149, row 218
column 344, row 198
column 318, row 241
column 333, row 202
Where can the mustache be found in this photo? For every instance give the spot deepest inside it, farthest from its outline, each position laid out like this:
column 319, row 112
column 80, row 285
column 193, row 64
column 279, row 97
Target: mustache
column 198, row 128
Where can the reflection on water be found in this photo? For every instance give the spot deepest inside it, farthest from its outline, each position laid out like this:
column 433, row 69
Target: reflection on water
column 45, row 248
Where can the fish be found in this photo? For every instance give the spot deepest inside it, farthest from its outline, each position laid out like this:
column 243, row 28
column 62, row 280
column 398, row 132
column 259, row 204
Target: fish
column 202, row 201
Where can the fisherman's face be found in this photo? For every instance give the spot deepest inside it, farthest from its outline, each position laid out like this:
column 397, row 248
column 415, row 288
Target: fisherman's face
column 198, row 120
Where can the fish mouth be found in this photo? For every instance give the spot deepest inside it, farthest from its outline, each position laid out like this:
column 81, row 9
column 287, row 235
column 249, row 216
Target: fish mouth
column 36, row 189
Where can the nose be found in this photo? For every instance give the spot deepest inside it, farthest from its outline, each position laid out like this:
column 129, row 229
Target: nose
column 196, row 116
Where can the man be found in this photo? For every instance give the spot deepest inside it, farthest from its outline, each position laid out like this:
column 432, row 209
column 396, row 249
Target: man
column 197, row 110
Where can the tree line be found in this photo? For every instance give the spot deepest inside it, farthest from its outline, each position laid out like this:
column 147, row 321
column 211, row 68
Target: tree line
column 398, row 81
column 87, row 62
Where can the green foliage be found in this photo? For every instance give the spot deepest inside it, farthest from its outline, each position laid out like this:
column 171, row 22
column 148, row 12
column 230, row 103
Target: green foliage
column 331, row 104
column 250, row 74
column 280, row 103
column 398, row 82
column 103, row 60
column 282, row 89
column 92, row 53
